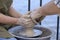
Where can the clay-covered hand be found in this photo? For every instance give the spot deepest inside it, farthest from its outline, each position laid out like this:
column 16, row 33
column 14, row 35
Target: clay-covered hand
column 26, row 21
column 36, row 16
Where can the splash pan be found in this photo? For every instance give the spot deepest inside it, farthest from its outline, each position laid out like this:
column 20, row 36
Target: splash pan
column 19, row 32
column 46, row 33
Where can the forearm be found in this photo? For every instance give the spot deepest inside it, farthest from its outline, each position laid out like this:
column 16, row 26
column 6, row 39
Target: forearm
column 7, row 20
column 49, row 9
column 14, row 13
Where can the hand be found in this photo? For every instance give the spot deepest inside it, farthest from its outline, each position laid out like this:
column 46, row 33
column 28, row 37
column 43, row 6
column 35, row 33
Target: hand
column 36, row 16
column 26, row 21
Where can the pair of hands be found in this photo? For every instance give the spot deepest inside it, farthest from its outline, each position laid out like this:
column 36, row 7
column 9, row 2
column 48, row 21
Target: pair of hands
column 26, row 21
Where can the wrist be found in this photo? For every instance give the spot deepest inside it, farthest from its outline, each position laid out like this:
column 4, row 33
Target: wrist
column 17, row 21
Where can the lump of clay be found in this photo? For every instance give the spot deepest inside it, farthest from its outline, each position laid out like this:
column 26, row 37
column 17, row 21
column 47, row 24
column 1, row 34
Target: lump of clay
column 27, row 32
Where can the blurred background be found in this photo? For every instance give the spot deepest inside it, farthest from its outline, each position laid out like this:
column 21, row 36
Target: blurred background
column 49, row 21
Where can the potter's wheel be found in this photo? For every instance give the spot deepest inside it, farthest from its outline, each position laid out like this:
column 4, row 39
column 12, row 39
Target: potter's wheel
column 18, row 30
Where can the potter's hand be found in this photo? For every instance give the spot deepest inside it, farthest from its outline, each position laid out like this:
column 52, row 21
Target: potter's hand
column 36, row 16
column 30, row 19
column 26, row 21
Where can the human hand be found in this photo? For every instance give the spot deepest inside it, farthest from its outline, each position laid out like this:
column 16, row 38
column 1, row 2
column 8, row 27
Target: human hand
column 36, row 16
column 26, row 21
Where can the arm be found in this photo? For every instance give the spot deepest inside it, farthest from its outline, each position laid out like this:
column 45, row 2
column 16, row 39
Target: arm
column 50, row 9
column 7, row 20
column 14, row 13
column 10, row 20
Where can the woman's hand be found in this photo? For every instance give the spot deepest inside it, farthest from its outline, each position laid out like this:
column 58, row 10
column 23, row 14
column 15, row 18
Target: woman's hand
column 25, row 20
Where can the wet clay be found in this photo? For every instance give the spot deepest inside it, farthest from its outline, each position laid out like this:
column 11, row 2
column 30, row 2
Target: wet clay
column 28, row 32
